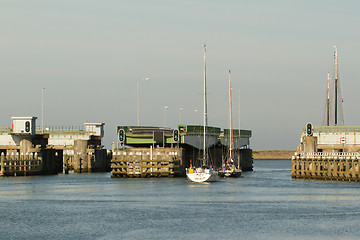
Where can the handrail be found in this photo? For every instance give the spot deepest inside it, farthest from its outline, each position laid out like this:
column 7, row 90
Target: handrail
column 332, row 129
column 331, row 154
column 5, row 129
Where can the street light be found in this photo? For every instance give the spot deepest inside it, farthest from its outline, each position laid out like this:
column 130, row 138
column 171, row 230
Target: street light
column 42, row 110
column 195, row 111
column 238, row 110
column 180, row 110
column 138, row 101
column 166, row 107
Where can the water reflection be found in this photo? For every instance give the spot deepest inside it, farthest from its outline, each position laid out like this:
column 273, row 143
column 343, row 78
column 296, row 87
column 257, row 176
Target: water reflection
column 264, row 204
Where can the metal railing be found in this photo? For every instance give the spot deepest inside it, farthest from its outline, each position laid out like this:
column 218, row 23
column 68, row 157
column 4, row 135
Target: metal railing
column 56, row 129
column 5, row 129
column 329, row 154
column 332, row 129
column 61, row 129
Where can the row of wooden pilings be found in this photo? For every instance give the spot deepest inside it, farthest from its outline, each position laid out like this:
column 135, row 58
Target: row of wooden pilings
column 147, row 162
column 33, row 163
column 79, row 163
column 20, row 164
column 342, row 166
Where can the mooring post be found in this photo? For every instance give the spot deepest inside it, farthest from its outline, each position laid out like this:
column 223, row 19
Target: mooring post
column 2, row 164
column 66, row 158
column 347, row 172
column 329, row 167
column 79, row 162
column 357, row 168
column 89, row 161
column 303, row 167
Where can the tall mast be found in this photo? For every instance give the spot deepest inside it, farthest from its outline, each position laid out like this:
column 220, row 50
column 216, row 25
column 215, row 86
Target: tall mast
column 239, row 134
column 231, row 122
column 205, row 110
column 336, row 86
column 328, row 102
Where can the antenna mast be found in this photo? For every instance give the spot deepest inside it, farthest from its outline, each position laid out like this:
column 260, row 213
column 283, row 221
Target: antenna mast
column 231, row 122
column 205, row 110
column 336, row 85
column 328, row 102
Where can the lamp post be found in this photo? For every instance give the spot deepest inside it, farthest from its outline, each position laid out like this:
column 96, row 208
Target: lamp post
column 138, row 99
column 195, row 111
column 238, row 110
column 166, row 107
column 180, row 112
column 42, row 110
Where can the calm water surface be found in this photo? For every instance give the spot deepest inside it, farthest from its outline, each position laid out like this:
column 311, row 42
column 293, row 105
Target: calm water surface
column 264, row 204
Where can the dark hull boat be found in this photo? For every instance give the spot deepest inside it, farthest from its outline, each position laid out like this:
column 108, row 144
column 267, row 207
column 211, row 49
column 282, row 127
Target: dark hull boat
column 229, row 169
column 230, row 172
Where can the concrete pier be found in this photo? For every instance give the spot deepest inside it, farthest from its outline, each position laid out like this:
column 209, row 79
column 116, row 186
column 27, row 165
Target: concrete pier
column 328, row 152
column 57, row 149
column 326, row 166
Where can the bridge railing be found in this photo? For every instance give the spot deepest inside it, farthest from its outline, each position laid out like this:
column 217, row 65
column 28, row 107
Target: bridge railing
column 60, row 129
column 5, row 129
column 331, row 154
column 333, row 129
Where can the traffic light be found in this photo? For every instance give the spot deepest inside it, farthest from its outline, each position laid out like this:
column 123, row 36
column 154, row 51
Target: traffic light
column 176, row 135
column 309, row 130
column 121, row 135
column 27, row 126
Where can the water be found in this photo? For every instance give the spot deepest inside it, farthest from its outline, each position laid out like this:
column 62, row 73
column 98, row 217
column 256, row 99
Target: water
column 264, row 204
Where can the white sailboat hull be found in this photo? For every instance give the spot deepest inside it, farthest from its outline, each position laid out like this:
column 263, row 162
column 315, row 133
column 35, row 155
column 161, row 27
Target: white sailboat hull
column 201, row 175
column 205, row 173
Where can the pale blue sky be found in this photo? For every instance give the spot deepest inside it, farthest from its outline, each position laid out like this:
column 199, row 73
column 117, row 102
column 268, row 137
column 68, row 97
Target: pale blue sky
column 88, row 54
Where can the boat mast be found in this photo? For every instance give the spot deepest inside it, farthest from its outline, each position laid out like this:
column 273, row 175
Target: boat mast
column 231, row 122
column 239, row 157
column 328, row 102
column 336, row 85
column 205, row 111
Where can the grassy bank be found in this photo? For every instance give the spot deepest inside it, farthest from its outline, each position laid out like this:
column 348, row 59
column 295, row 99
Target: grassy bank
column 272, row 154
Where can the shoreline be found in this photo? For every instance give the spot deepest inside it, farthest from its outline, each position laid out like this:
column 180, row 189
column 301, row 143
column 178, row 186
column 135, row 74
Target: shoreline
column 272, row 154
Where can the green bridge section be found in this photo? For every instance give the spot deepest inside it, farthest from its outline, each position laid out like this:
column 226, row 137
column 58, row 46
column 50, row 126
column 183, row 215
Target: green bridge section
column 141, row 135
column 196, row 129
column 145, row 135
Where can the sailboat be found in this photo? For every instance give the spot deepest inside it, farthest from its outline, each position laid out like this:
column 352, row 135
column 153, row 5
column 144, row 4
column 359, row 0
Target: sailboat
column 205, row 173
column 229, row 168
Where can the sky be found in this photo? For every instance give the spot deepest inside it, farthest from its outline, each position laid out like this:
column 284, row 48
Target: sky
column 90, row 54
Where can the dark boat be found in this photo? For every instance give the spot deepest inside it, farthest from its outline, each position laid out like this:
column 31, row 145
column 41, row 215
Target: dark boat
column 229, row 169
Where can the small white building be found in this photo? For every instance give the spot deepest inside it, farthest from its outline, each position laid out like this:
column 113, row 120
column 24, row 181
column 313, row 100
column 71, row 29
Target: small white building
column 332, row 138
column 24, row 125
column 96, row 129
column 25, row 128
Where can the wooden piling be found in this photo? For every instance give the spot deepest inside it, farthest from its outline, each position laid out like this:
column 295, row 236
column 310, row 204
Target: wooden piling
column 343, row 166
column 143, row 163
column 66, row 164
column 2, row 164
column 89, row 164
